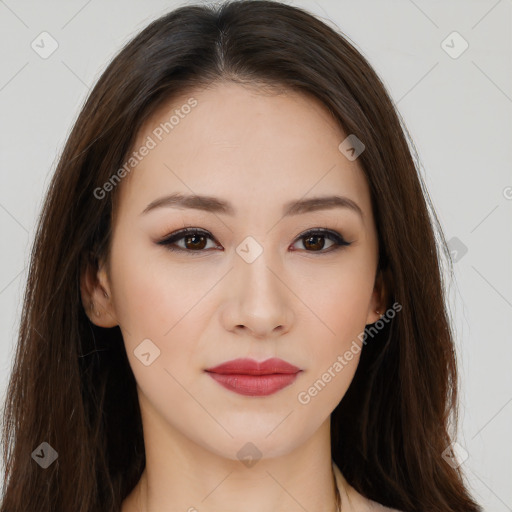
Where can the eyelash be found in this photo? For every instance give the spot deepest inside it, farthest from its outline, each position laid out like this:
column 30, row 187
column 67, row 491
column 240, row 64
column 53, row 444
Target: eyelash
column 168, row 241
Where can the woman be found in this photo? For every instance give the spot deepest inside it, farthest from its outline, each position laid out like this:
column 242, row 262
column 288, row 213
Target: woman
column 235, row 297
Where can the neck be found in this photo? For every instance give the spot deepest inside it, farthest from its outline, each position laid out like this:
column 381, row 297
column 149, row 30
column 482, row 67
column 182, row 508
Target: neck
column 185, row 473
column 143, row 505
column 181, row 475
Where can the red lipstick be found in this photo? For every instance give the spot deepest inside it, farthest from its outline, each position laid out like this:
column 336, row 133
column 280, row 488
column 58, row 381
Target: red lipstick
column 249, row 377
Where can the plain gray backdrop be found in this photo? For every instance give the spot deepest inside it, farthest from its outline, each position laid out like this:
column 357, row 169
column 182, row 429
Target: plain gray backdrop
column 448, row 67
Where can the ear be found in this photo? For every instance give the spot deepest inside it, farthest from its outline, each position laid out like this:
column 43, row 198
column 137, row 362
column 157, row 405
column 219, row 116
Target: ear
column 378, row 300
column 96, row 293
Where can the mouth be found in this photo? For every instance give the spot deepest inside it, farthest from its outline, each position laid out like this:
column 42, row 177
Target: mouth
column 252, row 378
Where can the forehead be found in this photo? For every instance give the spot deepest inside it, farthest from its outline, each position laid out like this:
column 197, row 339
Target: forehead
column 247, row 145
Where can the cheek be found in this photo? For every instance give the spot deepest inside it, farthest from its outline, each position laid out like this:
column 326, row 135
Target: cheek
column 333, row 362
column 340, row 297
column 158, row 333
column 340, row 302
column 152, row 293
column 157, row 300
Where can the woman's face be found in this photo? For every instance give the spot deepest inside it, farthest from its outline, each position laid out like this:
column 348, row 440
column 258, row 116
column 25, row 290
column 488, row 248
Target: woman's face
column 252, row 283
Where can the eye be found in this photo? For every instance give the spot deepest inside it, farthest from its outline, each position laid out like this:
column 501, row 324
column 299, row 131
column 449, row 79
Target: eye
column 195, row 240
column 314, row 239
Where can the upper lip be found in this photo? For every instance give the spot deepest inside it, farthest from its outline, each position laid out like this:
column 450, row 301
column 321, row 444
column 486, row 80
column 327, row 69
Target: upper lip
column 245, row 366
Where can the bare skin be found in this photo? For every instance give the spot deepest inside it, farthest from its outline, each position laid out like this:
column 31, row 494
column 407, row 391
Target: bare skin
column 298, row 301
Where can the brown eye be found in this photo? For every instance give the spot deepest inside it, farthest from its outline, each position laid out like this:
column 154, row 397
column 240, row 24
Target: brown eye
column 314, row 240
column 194, row 241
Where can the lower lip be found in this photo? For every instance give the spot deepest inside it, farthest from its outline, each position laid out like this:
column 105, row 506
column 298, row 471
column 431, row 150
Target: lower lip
column 254, row 385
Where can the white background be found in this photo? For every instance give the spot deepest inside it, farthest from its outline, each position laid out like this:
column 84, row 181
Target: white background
column 458, row 112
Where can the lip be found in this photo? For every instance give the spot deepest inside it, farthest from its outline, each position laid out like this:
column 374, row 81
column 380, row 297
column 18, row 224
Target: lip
column 252, row 378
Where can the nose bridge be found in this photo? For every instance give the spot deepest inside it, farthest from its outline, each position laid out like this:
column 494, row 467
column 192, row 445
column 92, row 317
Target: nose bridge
column 261, row 295
column 254, row 267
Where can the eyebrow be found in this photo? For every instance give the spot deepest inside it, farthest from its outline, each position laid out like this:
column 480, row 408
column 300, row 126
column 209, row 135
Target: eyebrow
column 216, row 205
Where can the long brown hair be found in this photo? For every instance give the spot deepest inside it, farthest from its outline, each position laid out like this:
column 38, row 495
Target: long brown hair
column 71, row 384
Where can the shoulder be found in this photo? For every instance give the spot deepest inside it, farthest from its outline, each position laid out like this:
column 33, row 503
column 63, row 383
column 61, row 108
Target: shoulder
column 355, row 501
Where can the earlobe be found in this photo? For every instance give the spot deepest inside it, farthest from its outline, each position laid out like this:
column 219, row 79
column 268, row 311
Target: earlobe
column 377, row 304
column 373, row 316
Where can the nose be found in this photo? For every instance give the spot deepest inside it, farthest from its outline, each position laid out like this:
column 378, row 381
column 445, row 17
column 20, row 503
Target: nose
column 258, row 299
